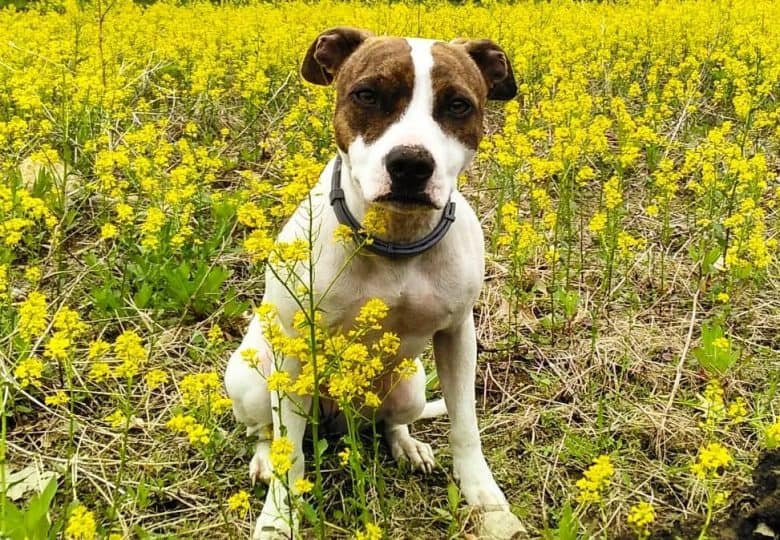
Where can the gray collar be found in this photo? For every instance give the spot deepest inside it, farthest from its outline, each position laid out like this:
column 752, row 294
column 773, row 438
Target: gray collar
column 377, row 245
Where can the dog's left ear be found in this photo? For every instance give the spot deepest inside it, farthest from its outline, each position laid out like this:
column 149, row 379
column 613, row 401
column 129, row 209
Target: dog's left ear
column 328, row 52
column 494, row 65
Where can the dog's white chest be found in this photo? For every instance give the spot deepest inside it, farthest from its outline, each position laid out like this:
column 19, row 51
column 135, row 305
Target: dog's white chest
column 420, row 303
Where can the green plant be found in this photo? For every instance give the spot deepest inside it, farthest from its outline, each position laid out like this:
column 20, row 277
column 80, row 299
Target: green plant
column 31, row 522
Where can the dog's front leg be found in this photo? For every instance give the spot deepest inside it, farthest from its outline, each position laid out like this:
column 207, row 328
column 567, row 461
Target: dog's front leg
column 278, row 518
column 455, row 351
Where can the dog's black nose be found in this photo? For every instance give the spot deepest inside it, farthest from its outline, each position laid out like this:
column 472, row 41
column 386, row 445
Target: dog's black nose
column 409, row 165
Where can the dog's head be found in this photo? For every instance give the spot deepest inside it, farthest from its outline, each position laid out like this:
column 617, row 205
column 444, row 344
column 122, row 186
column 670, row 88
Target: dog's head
column 408, row 114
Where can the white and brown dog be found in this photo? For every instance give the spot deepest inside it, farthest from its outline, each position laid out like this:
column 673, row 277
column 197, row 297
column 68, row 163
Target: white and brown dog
column 408, row 121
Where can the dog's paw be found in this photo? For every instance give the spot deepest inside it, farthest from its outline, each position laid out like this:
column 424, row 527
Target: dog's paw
column 500, row 525
column 417, row 453
column 260, row 465
column 485, row 495
column 270, row 527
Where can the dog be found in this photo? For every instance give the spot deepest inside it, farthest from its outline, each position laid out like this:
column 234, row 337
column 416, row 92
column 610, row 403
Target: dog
column 408, row 120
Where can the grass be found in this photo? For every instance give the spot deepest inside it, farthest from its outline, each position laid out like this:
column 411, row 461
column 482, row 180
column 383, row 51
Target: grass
column 595, row 339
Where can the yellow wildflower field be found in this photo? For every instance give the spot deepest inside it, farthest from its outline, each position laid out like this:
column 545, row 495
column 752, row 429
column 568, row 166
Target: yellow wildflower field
column 629, row 326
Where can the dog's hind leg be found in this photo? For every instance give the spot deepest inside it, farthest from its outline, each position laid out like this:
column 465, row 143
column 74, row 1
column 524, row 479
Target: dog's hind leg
column 245, row 381
column 403, row 405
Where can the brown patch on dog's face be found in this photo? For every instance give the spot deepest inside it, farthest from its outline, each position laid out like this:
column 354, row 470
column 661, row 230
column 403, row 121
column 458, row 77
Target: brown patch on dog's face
column 374, row 87
column 459, row 93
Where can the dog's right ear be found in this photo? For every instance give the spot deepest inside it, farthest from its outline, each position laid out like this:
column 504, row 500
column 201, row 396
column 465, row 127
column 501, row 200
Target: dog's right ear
column 328, row 52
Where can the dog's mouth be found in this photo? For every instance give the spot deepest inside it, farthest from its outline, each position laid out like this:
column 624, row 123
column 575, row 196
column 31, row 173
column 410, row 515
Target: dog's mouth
column 407, row 200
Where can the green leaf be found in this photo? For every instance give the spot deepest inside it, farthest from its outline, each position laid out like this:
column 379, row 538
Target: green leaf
column 322, row 445
column 13, row 526
column 233, row 307
column 309, row 514
column 453, row 497
column 710, row 258
column 214, row 280
column 568, row 525
column 36, row 517
column 712, row 356
column 143, row 295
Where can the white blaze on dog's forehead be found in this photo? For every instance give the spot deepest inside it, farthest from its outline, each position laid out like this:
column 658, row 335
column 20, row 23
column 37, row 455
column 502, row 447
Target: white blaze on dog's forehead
column 422, row 62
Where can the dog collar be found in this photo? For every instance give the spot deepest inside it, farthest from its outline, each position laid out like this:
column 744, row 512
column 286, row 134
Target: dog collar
column 377, row 245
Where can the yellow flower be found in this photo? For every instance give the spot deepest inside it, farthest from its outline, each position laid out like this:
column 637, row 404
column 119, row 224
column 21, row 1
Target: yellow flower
column 281, row 455
column 598, row 223
column 129, row 349
column 342, row 234
column 151, row 227
column 180, row 423
column 108, row 231
column 711, row 459
column 259, row 245
column 372, row 400
column 721, row 498
column 69, row 323
column 155, row 378
column 721, row 343
column 612, row 195
column 239, row 502
column 279, row 381
column 29, row 372
column 406, row 368
column 124, row 212
column 58, row 398
column 738, row 410
column 251, row 357
column 585, row 174
column 772, row 435
column 116, row 419
column 640, row 516
column 713, row 403
column 290, row 253
column 344, row 457
column 220, row 404
column 595, row 480
column 81, row 524
column 552, row 255
column 200, row 389
column 375, row 221
column 58, row 346
column 723, row 297
column 32, row 274
column 372, row 312
column 4, row 281
column 98, row 371
column 371, row 532
column 198, row 434
column 215, row 335
column 98, row 348
column 303, row 485
column 32, row 315
column 628, row 245
column 388, row 344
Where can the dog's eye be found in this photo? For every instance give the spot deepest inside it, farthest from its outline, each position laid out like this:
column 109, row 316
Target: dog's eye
column 365, row 97
column 459, row 108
